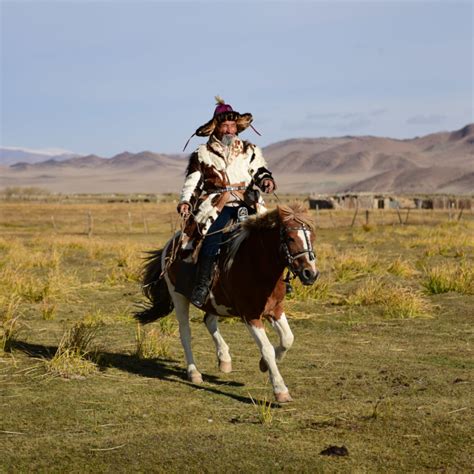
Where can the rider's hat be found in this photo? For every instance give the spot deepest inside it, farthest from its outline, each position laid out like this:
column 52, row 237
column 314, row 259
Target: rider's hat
column 223, row 113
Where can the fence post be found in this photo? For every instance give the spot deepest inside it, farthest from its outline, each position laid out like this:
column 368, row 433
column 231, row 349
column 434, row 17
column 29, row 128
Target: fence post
column 90, row 228
column 399, row 216
column 367, row 217
column 408, row 213
column 129, row 221
column 355, row 215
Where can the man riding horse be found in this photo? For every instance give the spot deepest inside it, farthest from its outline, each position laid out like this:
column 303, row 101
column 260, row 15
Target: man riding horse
column 219, row 188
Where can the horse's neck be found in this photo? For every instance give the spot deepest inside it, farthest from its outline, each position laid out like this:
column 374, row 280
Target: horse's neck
column 263, row 246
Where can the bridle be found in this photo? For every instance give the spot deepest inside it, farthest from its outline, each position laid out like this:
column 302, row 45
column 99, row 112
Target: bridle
column 291, row 257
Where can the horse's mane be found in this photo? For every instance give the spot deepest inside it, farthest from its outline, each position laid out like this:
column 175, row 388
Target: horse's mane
column 269, row 220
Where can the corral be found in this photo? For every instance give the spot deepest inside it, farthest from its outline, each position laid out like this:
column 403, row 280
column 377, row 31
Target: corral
column 381, row 361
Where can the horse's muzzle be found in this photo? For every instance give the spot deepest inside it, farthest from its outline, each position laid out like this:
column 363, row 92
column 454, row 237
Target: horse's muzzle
column 308, row 276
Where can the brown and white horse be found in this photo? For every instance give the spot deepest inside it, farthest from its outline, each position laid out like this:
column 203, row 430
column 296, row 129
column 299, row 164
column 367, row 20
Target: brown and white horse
column 248, row 283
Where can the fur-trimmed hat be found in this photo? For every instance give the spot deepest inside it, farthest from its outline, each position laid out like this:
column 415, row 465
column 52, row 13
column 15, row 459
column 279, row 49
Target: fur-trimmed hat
column 223, row 113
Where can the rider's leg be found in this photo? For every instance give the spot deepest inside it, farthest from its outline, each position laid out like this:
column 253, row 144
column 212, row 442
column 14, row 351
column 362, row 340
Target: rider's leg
column 208, row 256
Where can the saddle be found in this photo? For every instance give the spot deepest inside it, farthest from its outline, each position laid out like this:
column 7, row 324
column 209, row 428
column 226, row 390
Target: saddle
column 186, row 268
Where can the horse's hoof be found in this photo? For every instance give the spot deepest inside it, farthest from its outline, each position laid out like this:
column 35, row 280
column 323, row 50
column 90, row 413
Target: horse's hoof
column 225, row 366
column 263, row 365
column 195, row 377
column 283, row 397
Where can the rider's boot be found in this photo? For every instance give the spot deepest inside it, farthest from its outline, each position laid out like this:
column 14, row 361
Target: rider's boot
column 203, row 280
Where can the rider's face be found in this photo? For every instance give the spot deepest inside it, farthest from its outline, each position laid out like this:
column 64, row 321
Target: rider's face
column 226, row 128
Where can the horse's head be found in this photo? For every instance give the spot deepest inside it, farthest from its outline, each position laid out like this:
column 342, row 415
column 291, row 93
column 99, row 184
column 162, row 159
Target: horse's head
column 296, row 240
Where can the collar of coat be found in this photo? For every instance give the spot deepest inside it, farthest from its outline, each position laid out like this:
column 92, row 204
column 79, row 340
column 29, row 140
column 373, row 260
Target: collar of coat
column 228, row 153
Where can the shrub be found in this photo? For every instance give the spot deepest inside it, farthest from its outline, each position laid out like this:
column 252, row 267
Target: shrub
column 395, row 300
column 445, row 278
column 74, row 357
column 151, row 344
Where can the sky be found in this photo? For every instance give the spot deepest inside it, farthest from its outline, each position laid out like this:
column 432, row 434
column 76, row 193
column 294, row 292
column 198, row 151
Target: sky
column 107, row 77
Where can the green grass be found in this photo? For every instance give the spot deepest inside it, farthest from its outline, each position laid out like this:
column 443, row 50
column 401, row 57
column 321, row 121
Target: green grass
column 365, row 372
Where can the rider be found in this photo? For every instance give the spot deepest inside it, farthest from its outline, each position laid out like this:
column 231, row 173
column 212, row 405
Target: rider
column 219, row 187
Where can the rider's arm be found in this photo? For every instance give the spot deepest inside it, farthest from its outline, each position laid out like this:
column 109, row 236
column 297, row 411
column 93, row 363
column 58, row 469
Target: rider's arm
column 259, row 170
column 191, row 182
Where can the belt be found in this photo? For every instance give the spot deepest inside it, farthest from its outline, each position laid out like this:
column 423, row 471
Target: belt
column 227, row 188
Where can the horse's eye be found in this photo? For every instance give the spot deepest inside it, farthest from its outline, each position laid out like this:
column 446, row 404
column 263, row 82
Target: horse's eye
column 291, row 239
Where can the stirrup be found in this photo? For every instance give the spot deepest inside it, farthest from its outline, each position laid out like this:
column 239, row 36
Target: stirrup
column 199, row 296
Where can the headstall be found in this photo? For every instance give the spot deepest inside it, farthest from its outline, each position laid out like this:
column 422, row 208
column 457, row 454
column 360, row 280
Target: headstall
column 290, row 258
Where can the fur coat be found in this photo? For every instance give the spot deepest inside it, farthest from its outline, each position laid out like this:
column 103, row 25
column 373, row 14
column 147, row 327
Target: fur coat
column 213, row 167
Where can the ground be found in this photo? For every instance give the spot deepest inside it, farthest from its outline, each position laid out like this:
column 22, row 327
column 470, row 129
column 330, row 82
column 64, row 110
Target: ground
column 381, row 363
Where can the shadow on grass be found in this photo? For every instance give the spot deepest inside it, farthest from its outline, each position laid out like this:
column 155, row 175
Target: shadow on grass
column 163, row 369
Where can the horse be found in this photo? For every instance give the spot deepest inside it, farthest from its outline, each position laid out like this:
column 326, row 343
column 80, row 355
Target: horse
column 248, row 283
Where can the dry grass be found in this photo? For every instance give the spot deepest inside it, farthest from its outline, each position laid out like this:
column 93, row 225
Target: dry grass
column 48, row 309
column 153, row 343
column 126, row 264
column 449, row 277
column 319, row 291
column 264, row 410
column 54, row 285
column 351, row 265
column 453, row 240
column 74, row 357
column 401, row 268
column 10, row 325
column 395, row 300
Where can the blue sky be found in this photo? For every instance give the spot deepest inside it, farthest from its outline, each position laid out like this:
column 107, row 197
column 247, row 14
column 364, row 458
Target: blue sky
column 104, row 77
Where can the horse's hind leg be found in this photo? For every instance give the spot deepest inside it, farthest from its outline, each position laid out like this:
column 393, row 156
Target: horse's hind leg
column 268, row 354
column 222, row 349
column 181, row 305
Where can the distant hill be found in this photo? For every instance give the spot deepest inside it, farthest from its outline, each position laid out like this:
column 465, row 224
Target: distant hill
column 12, row 155
column 439, row 162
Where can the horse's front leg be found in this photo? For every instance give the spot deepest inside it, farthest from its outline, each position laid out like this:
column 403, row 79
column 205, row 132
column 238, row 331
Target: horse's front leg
column 181, row 304
column 282, row 328
column 285, row 335
column 257, row 331
column 222, row 349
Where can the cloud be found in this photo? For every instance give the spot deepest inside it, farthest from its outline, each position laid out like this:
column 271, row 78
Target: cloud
column 433, row 119
column 378, row 112
column 334, row 121
column 357, row 123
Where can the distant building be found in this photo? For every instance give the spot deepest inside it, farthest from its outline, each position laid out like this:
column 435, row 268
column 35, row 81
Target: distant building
column 389, row 201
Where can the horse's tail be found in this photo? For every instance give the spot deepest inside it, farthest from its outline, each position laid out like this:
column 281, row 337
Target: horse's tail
column 155, row 289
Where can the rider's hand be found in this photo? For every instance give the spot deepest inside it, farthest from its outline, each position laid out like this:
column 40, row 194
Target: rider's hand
column 268, row 185
column 184, row 209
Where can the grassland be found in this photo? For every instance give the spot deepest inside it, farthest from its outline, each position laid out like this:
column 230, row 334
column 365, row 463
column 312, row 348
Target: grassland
column 381, row 364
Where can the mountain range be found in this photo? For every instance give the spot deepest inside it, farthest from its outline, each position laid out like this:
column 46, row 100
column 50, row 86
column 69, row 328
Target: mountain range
column 11, row 155
column 441, row 162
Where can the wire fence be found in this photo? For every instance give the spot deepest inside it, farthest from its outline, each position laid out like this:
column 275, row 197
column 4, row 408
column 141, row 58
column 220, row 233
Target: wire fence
column 162, row 218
